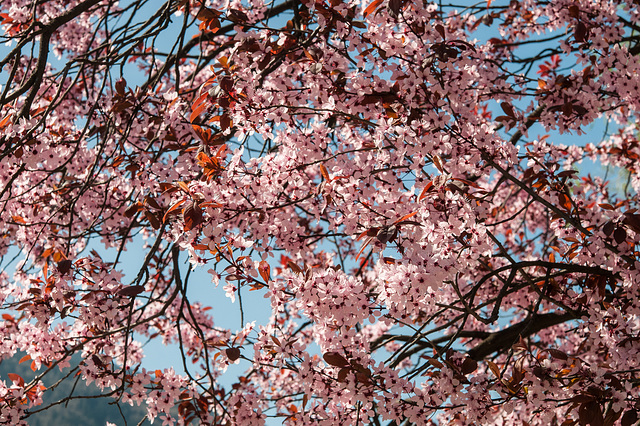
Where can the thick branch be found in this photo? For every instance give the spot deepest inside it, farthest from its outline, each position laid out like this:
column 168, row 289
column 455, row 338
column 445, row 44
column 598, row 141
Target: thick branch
column 503, row 339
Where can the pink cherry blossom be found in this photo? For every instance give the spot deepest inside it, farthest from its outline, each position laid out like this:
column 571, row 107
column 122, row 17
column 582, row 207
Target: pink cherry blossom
column 436, row 202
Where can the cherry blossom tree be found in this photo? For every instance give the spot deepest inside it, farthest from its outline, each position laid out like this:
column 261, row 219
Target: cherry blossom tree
column 391, row 175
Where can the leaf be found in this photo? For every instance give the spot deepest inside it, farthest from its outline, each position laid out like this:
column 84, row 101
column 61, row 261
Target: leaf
column 558, row 354
column 225, row 122
column 226, row 84
column 121, row 85
column 620, row 235
column 435, row 362
column 237, row 15
column 172, row 209
column 405, row 217
column 469, row 365
column 606, row 206
column 192, row 215
column 264, row 269
column 364, row 246
column 574, row 11
column 64, row 266
column 371, row 8
column 18, row 219
column 168, row 188
column 437, row 161
column 387, row 234
column 440, row 29
column 508, row 109
column 395, row 6
column 629, row 418
column 426, row 190
column 608, row 228
column 8, row 317
column 565, row 202
column 295, row 268
column 24, row 359
column 5, row 121
column 342, row 374
column 132, row 210
column 153, row 220
column 590, row 413
column 131, row 291
column 183, row 186
column 16, row 378
column 494, row 369
column 520, row 345
column 581, row 35
column 152, row 202
column 232, row 353
column 335, row 359
column 324, row 173
column 197, row 111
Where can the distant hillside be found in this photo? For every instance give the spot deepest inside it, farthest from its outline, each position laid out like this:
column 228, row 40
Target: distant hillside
column 85, row 412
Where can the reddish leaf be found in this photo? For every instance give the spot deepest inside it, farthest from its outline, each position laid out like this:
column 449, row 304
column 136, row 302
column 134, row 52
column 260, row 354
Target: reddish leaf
column 508, row 109
column 226, row 84
column 153, row 220
column 5, row 121
column 225, row 122
column 16, row 378
column 198, row 110
column 620, row 235
column 580, row 34
column 121, row 85
column 364, row 246
column 64, row 266
column 372, row 7
column 132, row 209
column 405, row 217
column 264, row 269
column 295, row 268
column 324, row 173
column 24, row 359
column 232, row 353
column 629, row 418
column 437, row 161
column 435, row 362
column 574, row 11
column 335, row 359
column 590, row 413
column 469, row 365
column 557, row 354
column 172, row 209
column 131, row 291
column 342, row 374
column 632, row 221
column 608, row 228
column 183, row 186
column 18, row 219
column 387, row 234
column 426, row 190
column 395, row 6
column 192, row 215
column 237, row 15
column 494, row 369
column 152, row 202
